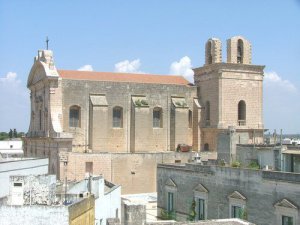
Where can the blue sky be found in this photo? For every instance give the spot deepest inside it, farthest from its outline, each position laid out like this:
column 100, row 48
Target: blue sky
column 149, row 36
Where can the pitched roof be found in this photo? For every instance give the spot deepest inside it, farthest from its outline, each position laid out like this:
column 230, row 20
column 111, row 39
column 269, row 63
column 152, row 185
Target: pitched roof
column 122, row 77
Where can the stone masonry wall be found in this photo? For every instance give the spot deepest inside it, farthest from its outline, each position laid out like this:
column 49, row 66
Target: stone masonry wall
column 135, row 172
column 262, row 190
column 77, row 92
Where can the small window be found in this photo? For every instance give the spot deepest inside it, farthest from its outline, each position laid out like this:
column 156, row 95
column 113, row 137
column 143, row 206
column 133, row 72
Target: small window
column 287, row 220
column 206, row 147
column 240, row 51
column 236, row 212
column 200, row 205
column 157, row 117
column 18, row 184
column 190, row 119
column 74, row 116
column 207, row 113
column 170, row 207
column 242, row 113
column 40, row 119
column 117, row 117
column 89, row 167
column 117, row 213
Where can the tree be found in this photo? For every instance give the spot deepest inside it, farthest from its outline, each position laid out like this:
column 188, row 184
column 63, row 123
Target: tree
column 10, row 134
column 3, row 136
column 15, row 133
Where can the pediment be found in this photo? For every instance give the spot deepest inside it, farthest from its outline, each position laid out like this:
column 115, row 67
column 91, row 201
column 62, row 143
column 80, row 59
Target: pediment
column 179, row 102
column 200, row 188
column 170, row 183
column 39, row 71
column 237, row 195
column 197, row 103
column 286, row 204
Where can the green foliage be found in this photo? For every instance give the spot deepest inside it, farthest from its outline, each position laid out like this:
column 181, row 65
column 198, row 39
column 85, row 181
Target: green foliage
column 180, row 104
column 10, row 133
column 192, row 214
column 244, row 214
column 15, row 133
column 254, row 165
column 236, row 164
column 222, row 162
column 140, row 103
column 21, row 134
column 166, row 215
column 144, row 102
column 3, row 136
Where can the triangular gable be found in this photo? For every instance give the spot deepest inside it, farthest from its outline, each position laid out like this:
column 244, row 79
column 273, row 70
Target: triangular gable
column 200, row 188
column 179, row 102
column 98, row 100
column 237, row 195
column 170, row 183
column 286, row 203
column 197, row 103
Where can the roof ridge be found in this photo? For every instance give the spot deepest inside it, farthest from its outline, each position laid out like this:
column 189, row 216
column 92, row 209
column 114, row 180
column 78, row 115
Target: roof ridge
column 123, row 77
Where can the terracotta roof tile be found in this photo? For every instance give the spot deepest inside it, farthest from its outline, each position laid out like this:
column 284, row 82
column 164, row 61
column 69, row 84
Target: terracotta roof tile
column 122, row 77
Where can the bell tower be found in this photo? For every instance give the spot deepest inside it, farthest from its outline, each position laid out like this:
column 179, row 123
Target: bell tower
column 230, row 94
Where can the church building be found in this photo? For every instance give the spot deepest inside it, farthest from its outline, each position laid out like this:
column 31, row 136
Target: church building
column 112, row 123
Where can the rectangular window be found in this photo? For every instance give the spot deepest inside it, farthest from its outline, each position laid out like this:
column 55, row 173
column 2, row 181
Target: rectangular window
column 200, row 209
column 287, row 220
column 170, row 202
column 17, row 184
column 117, row 117
column 236, row 211
column 156, row 119
column 40, row 119
column 190, row 119
column 89, row 167
column 74, row 117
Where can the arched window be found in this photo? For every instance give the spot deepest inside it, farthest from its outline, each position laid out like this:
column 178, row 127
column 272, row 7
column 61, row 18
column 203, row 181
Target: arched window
column 240, row 51
column 242, row 113
column 157, row 117
column 206, row 147
column 208, row 53
column 117, row 117
column 207, row 113
column 74, row 116
column 190, row 119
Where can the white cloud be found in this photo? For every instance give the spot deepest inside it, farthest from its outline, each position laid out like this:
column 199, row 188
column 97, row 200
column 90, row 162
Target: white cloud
column 14, row 103
column 280, row 104
column 86, row 68
column 274, row 80
column 10, row 78
column 184, row 68
column 127, row 66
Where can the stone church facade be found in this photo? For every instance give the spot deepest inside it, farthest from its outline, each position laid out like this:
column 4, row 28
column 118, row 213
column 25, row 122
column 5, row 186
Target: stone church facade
column 111, row 123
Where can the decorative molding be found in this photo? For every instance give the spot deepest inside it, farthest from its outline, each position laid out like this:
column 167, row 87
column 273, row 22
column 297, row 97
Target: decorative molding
column 237, row 195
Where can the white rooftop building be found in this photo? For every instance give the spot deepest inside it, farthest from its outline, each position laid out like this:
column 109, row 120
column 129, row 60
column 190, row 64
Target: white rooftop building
column 11, row 147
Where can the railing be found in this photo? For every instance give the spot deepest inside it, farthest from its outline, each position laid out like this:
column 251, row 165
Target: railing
column 242, row 122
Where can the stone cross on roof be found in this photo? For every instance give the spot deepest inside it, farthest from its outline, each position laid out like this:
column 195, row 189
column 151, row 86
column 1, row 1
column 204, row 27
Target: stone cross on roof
column 47, row 42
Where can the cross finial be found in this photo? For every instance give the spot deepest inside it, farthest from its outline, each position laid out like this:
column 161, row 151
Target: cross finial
column 47, row 42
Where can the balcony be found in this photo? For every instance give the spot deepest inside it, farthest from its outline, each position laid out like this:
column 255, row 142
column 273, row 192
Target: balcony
column 241, row 122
